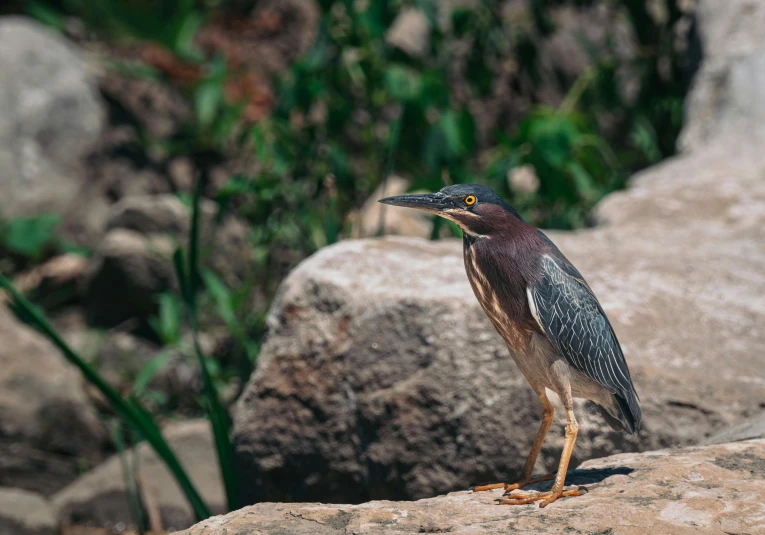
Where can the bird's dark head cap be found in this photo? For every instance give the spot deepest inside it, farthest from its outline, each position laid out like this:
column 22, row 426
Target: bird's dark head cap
column 474, row 208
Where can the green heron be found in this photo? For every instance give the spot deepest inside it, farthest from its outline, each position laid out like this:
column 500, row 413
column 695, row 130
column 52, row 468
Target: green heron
column 554, row 327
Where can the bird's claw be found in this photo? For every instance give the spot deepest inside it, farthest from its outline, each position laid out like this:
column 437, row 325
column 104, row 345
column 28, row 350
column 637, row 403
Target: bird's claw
column 530, row 497
column 491, row 486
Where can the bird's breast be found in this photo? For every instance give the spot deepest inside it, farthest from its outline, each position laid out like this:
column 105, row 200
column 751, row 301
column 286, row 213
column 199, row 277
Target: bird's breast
column 500, row 300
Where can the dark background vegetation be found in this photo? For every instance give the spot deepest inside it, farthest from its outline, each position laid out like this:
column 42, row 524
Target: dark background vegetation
column 549, row 108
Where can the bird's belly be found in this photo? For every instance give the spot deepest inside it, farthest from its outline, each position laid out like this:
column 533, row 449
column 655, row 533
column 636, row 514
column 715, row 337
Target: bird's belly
column 537, row 364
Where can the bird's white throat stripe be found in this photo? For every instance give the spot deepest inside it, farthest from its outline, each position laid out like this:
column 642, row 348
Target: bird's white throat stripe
column 445, row 214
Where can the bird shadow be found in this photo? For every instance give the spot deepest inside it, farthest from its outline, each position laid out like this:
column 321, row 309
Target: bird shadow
column 591, row 476
column 587, row 477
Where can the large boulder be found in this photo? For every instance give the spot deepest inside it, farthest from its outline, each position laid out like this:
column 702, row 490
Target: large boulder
column 48, row 429
column 52, row 116
column 709, row 490
column 25, row 513
column 99, row 498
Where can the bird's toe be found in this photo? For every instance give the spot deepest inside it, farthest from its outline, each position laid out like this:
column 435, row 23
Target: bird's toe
column 546, row 497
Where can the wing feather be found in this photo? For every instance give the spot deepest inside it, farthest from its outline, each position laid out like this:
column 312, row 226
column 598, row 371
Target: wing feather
column 574, row 322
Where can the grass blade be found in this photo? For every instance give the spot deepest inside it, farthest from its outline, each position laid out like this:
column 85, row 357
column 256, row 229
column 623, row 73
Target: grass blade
column 129, row 479
column 132, row 413
column 217, row 414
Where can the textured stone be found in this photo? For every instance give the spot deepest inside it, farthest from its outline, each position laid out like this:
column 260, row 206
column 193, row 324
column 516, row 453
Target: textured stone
column 726, row 102
column 746, row 430
column 48, row 428
column 133, row 262
column 700, row 490
column 52, row 115
column 99, row 499
column 25, row 513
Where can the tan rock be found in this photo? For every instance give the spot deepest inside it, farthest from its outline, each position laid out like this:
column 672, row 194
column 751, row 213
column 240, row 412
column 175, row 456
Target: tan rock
column 98, row 498
column 48, row 428
column 410, row 32
column 700, row 490
column 25, row 513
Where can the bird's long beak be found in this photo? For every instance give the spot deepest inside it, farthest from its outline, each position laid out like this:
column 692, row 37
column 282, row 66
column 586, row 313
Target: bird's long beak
column 430, row 202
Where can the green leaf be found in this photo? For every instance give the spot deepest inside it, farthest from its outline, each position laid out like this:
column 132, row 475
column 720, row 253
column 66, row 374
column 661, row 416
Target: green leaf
column 582, row 179
column 150, row 370
column 222, row 296
column 30, row 236
column 552, row 137
column 46, row 14
column 168, row 324
column 403, row 83
column 458, row 131
column 186, row 30
column 207, row 101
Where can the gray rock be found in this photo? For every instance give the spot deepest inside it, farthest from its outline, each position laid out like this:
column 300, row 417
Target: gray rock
column 25, row 513
column 702, row 491
column 98, row 498
column 133, row 262
column 727, row 99
column 747, row 430
column 48, row 428
column 127, row 272
column 52, row 116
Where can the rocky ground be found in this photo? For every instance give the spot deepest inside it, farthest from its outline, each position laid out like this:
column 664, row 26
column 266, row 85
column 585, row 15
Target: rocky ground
column 697, row 490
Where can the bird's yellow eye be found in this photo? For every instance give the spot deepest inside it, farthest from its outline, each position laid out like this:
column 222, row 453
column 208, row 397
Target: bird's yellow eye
column 470, row 200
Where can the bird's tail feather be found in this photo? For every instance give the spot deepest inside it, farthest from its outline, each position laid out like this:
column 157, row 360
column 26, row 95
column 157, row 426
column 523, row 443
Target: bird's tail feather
column 624, row 412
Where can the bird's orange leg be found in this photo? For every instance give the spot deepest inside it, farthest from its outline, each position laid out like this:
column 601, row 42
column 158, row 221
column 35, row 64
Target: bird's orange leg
column 548, row 412
column 572, row 429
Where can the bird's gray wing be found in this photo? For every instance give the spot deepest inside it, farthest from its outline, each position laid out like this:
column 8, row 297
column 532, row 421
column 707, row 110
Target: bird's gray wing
column 574, row 322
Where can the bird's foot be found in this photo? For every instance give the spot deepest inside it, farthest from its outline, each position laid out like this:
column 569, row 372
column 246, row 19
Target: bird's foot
column 530, row 497
column 513, row 486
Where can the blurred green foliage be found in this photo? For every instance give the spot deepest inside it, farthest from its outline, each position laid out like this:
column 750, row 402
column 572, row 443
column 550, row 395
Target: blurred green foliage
column 30, row 237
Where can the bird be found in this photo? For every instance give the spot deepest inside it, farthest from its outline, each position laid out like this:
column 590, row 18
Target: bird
column 553, row 325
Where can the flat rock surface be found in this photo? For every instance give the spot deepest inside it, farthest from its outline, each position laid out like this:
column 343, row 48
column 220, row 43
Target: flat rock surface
column 699, row 490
